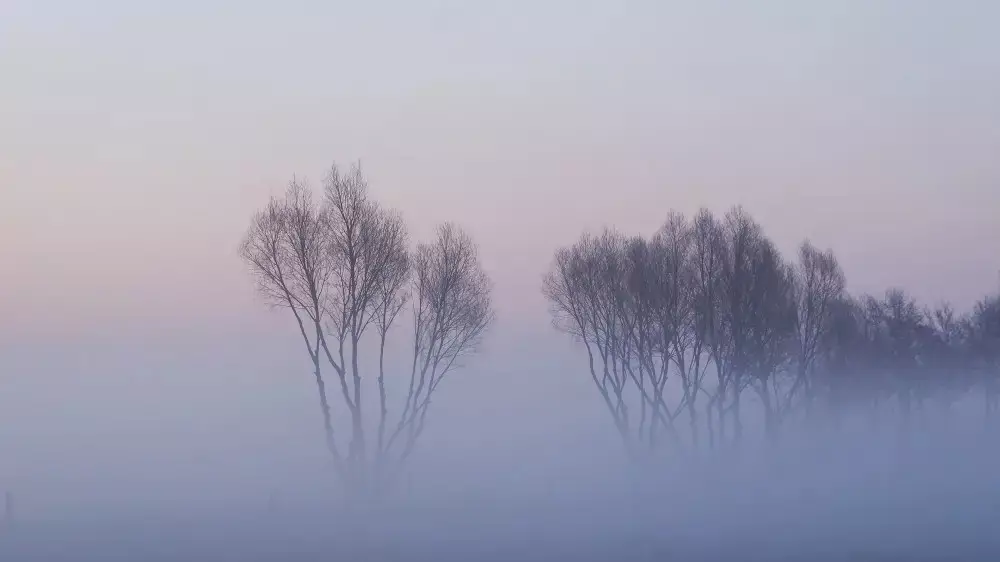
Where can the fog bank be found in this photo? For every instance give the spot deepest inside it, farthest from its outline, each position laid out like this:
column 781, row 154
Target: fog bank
column 819, row 494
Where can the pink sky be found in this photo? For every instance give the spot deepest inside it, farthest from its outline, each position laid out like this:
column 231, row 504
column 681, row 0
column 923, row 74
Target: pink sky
column 136, row 141
column 131, row 164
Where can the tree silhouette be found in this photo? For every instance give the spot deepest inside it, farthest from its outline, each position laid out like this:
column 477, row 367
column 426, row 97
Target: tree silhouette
column 708, row 308
column 343, row 269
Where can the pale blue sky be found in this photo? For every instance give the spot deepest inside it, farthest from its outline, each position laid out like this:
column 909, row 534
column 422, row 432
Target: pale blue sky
column 137, row 138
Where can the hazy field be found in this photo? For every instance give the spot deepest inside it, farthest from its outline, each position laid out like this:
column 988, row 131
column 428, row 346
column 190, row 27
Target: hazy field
column 932, row 499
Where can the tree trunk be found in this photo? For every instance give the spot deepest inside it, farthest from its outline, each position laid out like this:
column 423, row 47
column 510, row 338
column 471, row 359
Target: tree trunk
column 324, row 406
column 720, row 408
column 357, row 420
column 770, row 420
column 693, row 420
column 737, row 418
column 709, row 425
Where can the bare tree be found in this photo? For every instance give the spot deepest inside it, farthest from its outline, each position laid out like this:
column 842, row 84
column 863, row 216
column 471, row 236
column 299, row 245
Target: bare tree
column 629, row 302
column 818, row 284
column 681, row 320
column 902, row 319
column 583, row 289
column 770, row 326
column 841, row 358
column 286, row 249
column 650, row 308
column 944, row 355
column 391, row 297
column 366, row 245
column 741, row 238
column 343, row 267
column 708, row 264
column 716, row 295
column 984, row 339
column 452, row 310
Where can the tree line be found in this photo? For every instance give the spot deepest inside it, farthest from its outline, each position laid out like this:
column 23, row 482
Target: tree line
column 681, row 329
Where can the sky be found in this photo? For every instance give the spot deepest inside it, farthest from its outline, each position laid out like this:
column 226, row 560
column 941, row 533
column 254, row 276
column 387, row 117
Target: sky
column 137, row 139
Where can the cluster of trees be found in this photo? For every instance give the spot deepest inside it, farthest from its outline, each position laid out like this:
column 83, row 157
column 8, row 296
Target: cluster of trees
column 343, row 268
column 684, row 328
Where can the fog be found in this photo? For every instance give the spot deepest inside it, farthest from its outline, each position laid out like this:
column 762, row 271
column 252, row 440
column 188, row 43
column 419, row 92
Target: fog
column 541, row 478
column 865, row 498
column 154, row 406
